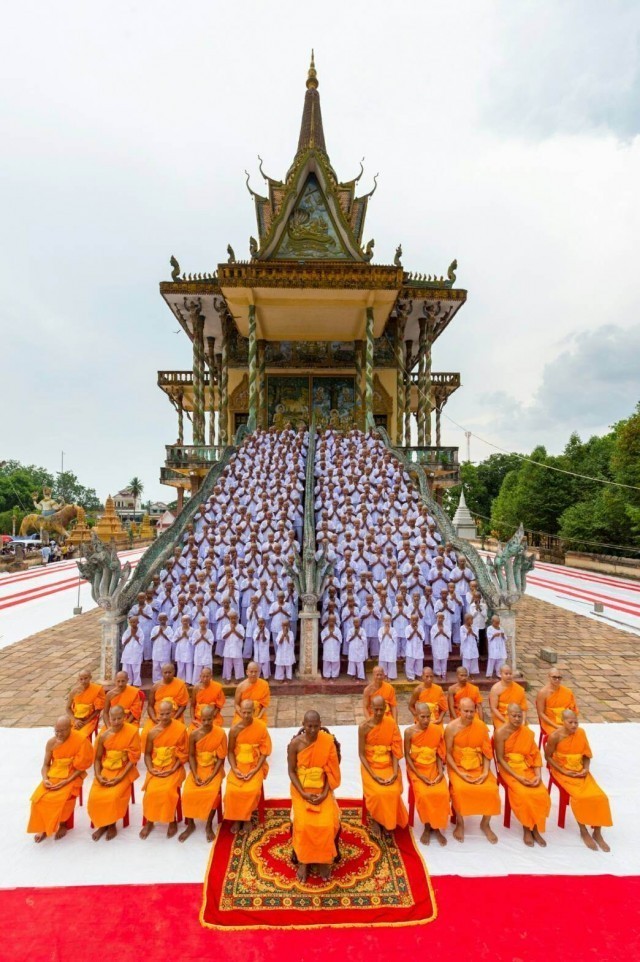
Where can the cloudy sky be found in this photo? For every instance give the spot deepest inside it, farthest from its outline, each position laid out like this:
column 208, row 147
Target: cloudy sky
column 506, row 135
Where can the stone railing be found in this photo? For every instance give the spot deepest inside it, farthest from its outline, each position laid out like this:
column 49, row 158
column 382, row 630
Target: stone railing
column 178, row 378
column 432, row 456
column 447, row 378
column 185, row 455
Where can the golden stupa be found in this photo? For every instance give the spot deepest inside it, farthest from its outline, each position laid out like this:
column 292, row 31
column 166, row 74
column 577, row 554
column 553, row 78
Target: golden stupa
column 81, row 533
column 146, row 532
column 109, row 527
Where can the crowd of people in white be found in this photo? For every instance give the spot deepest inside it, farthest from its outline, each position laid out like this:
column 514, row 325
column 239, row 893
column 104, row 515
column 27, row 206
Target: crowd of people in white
column 396, row 593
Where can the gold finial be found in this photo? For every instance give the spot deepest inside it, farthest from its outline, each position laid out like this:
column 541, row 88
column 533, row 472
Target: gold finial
column 312, row 77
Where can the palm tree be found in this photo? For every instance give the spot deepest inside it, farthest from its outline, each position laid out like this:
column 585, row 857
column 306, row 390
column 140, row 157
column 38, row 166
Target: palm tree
column 136, row 487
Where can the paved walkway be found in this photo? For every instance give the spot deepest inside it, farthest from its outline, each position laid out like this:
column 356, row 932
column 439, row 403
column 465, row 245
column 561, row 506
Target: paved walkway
column 601, row 664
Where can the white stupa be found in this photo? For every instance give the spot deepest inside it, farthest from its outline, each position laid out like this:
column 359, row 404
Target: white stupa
column 464, row 523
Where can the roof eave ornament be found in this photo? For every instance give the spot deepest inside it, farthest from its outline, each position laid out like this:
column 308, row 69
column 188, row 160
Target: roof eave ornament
column 312, row 76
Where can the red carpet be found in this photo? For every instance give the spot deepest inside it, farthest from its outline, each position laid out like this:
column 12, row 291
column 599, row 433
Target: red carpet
column 509, row 919
column 251, row 879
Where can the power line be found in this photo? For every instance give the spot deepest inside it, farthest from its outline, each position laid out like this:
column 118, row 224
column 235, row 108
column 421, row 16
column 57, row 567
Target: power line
column 523, row 457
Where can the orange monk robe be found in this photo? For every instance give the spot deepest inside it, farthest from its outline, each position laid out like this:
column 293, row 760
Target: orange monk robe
column 241, row 798
column 315, row 826
column 470, row 747
column 387, row 692
column 435, row 698
column 171, row 744
column 531, row 806
column 467, row 691
column 49, row 808
column 198, row 801
column 514, row 694
column 384, row 802
column 432, row 801
column 555, row 703
column 85, row 703
column 107, row 804
column 589, row 803
column 213, row 694
column 260, row 693
column 177, row 693
column 130, row 701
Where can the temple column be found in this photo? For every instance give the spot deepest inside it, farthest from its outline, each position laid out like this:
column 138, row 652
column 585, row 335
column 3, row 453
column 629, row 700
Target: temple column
column 211, row 364
column 427, row 385
column 401, row 375
column 180, row 501
column 224, row 387
column 253, row 370
column 180, row 406
column 439, row 408
column 422, row 367
column 368, row 369
column 407, row 393
column 198, row 377
column 358, row 352
column 262, row 383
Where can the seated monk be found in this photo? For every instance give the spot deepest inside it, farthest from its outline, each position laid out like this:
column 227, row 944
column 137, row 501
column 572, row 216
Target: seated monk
column 519, row 763
column 166, row 751
column 463, row 688
column 206, row 692
column 569, row 756
column 380, row 686
column 67, row 757
column 170, row 689
column 125, row 695
column 84, row 704
column 201, row 791
column 249, row 748
column 552, row 700
column 504, row 693
column 255, row 689
column 425, row 754
column 473, row 787
column 431, row 694
column 314, row 769
column 116, row 768
column 379, row 748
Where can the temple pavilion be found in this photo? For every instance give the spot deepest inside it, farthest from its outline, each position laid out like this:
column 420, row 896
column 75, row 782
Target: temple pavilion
column 310, row 327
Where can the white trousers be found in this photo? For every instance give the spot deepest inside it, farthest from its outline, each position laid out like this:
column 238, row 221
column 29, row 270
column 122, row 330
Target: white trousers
column 390, row 667
column 230, row 665
column 471, row 664
column 494, row 665
column 133, row 671
column 281, row 670
column 440, row 667
column 356, row 668
column 330, row 669
column 413, row 668
column 184, row 671
column 265, row 669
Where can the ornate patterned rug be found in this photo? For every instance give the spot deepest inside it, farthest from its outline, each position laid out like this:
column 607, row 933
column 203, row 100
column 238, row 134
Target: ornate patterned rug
column 251, row 880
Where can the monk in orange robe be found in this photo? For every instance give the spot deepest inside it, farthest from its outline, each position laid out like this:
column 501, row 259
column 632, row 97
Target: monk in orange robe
column 201, row 791
column 552, row 700
column 85, row 703
column 380, row 748
column 125, row 695
column 474, row 789
column 166, row 751
column 314, row 770
column 169, row 689
column 506, row 692
column 431, row 694
column 380, row 686
column 249, row 748
column 569, row 757
column 463, row 688
column 67, row 757
column 425, row 754
column 206, row 692
column 255, row 689
column 519, row 764
column 116, row 768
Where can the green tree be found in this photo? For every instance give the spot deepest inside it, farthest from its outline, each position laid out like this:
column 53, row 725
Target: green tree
column 68, row 487
column 20, row 483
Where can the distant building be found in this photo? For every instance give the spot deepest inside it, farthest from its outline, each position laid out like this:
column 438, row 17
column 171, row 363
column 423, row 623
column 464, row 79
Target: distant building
column 127, row 507
column 156, row 509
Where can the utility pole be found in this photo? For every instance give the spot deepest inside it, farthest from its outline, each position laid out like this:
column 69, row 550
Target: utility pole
column 467, row 435
column 62, row 462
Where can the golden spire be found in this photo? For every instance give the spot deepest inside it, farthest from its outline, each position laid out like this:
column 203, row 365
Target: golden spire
column 312, row 76
column 311, row 132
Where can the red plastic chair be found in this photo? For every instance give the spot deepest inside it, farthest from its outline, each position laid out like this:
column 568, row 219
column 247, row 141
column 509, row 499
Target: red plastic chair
column 564, row 798
column 501, row 782
column 542, row 737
